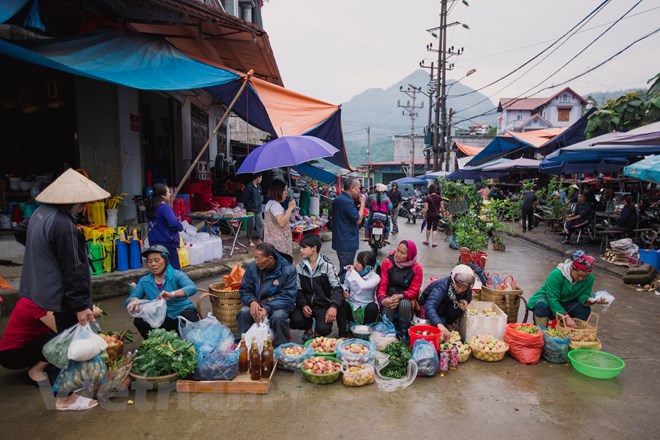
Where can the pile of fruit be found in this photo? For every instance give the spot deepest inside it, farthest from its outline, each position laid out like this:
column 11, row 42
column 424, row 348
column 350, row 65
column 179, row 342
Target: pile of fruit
column 555, row 333
column 323, row 345
column 295, row 350
column 488, row 348
column 359, row 375
column 356, row 348
column 454, row 336
column 116, row 342
column 463, row 351
column 486, row 311
column 289, row 356
column 320, row 365
column 527, row 328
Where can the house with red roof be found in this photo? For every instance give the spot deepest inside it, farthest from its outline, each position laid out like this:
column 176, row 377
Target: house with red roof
column 524, row 114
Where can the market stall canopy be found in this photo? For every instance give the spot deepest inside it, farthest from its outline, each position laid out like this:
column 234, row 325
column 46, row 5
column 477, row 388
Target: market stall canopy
column 516, row 164
column 411, row 181
column 599, row 167
column 468, row 150
column 647, row 169
column 473, row 174
column 286, row 151
column 316, row 173
column 435, row 175
column 599, row 148
column 648, row 135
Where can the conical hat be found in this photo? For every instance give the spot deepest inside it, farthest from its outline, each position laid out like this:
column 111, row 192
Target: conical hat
column 71, row 188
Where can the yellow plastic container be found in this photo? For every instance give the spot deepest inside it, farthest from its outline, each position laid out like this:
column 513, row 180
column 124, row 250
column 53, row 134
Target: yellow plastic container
column 184, row 257
column 109, row 255
column 96, row 213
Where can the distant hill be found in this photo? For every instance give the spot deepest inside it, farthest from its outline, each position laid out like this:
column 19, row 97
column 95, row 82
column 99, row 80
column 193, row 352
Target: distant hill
column 377, row 108
column 602, row 97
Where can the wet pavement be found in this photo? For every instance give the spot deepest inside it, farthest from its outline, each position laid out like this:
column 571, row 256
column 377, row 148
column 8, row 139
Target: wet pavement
column 484, row 400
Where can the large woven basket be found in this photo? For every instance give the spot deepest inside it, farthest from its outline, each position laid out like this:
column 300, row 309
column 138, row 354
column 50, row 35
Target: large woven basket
column 584, row 331
column 507, row 300
column 225, row 303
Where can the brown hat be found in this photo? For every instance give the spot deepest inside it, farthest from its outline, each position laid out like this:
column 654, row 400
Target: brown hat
column 71, row 188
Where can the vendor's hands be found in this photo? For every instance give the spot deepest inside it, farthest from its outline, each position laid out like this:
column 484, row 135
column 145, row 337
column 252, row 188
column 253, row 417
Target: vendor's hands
column 307, row 311
column 261, row 315
column 569, row 322
column 133, row 305
column 445, row 331
column 255, row 311
column 462, row 304
column 85, row 317
column 330, row 315
column 166, row 295
column 97, row 311
column 591, row 301
column 349, row 267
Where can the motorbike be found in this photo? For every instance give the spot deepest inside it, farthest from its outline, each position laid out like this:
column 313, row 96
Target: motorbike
column 379, row 231
column 407, row 209
column 649, row 223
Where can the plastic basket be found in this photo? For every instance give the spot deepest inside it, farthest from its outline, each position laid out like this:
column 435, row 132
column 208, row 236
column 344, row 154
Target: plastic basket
column 321, row 353
column 596, row 364
column 322, row 379
column 434, row 334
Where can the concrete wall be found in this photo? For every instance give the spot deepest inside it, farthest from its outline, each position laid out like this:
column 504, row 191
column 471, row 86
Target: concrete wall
column 130, row 151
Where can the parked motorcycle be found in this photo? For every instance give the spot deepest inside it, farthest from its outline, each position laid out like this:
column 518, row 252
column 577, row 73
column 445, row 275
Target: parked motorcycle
column 379, row 231
column 649, row 218
column 408, row 210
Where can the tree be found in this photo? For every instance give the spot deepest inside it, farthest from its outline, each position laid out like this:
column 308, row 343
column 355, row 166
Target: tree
column 630, row 111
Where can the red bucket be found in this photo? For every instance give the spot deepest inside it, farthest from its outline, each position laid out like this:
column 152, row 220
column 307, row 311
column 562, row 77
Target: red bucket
column 433, row 334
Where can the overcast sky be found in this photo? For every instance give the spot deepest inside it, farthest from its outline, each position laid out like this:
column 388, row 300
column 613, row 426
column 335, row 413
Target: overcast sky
column 335, row 49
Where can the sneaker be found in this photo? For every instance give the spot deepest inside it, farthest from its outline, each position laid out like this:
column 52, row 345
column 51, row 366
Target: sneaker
column 566, row 241
column 252, row 244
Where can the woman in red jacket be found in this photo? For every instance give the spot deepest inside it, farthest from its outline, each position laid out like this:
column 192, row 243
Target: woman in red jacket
column 401, row 279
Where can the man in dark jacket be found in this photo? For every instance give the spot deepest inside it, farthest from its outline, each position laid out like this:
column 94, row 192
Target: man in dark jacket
column 320, row 293
column 253, row 202
column 268, row 290
column 583, row 215
column 346, row 219
column 395, row 197
column 528, row 198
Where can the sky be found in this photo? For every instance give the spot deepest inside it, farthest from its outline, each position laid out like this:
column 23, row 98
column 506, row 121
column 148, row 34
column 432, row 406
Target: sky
column 334, row 50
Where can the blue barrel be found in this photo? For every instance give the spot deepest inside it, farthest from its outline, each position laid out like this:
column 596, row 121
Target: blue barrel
column 135, row 259
column 122, row 255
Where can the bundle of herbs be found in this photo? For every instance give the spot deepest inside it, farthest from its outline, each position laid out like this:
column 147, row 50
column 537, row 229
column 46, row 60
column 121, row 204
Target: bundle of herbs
column 399, row 355
column 164, row 353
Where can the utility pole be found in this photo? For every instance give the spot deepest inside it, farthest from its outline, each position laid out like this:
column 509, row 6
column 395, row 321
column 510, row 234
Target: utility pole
column 449, row 142
column 431, row 90
column 441, row 62
column 369, row 157
column 411, row 111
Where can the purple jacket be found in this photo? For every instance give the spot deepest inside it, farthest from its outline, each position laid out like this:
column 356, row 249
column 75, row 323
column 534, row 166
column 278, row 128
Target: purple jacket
column 164, row 228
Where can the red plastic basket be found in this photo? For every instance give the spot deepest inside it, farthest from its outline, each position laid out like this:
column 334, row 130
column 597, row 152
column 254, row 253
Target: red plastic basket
column 433, row 337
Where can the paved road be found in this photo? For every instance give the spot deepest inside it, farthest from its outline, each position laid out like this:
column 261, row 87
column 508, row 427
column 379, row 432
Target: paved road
column 480, row 400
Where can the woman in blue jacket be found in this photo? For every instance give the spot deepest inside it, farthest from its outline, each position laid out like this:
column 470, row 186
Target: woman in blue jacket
column 447, row 298
column 166, row 283
column 164, row 227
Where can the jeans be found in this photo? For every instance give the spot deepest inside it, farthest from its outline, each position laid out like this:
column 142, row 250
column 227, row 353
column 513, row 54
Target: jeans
column 345, row 258
column 300, row 322
column 574, row 309
column 255, row 227
column 169, row 324
column 395, row 220
column 279, row 324
column 527, row 219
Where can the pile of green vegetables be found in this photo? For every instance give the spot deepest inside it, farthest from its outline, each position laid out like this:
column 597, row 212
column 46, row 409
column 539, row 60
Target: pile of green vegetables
column 164, row 353
column 399, row 355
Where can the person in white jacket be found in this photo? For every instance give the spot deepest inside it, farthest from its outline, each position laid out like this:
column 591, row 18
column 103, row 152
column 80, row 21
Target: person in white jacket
column 360, row 287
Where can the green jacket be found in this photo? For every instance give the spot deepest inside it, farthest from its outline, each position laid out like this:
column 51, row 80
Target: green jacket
column 558, row 290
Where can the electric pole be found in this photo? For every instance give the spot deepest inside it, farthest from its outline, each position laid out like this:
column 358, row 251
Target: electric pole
column 411, row 110
column 368, row 157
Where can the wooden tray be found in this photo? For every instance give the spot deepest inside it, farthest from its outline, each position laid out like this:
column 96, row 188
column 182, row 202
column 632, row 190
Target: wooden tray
column 242, row 384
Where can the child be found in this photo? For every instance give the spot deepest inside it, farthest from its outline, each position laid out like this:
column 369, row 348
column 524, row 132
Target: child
column 319, row 290
column 360, row 287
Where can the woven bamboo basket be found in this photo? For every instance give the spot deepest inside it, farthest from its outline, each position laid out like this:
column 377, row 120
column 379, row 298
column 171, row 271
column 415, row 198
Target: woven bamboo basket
column 225, row 303
column 584, row 331
column 507, row 300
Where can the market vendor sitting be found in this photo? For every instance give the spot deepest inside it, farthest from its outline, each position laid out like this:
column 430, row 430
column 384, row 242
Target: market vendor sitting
column 379, row 205
column 401, row 278
column 581, row 216
column 320, row 294
column 447, row 298
column 268, row 290
column 566, row 291
column 167, row 283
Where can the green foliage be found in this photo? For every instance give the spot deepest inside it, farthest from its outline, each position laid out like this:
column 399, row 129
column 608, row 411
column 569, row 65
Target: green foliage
column 164, row 353
column 399, row 355
column 630, row 111
column 470, row 231
column 454, row 191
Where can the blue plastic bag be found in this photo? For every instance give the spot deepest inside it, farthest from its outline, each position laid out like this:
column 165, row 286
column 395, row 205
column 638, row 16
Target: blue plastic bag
column 290, row 362
column 555, row 349
column 217, row 365
column 206, row 334
column 426, row 357
column 345, row 354
column 79, row 375
column 385, row 326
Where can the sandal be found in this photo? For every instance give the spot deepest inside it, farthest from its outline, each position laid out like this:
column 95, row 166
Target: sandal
column 81, row 404
column 426, row 243
column 434, row 245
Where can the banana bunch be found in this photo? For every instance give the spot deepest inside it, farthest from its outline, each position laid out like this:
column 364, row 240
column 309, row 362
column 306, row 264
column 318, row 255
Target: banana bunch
column 114, row 201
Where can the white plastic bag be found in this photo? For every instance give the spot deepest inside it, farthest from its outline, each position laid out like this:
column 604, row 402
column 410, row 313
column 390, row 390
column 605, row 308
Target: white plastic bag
column 258, row 332
column 85, row 344
column 152, row 311
column 603, row 295
column 382, row 340
column 388, row 385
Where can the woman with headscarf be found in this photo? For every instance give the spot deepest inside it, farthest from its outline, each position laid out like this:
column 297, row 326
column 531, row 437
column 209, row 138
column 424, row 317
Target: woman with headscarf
column 400, row 280
column 566, row 291
column 360, row 287
column 447, row 298
column 164, row 227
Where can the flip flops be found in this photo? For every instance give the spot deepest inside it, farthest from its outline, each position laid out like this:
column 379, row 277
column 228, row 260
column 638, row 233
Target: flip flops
column 425, row 243
column 434, row 245
column 81, row 404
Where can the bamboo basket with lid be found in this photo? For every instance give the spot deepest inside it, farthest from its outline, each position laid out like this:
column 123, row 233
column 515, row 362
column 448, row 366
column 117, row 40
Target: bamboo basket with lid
column 225, row 304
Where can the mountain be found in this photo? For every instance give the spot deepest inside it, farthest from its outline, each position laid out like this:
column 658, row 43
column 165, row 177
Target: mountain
column 377, row 109
column 602, row 97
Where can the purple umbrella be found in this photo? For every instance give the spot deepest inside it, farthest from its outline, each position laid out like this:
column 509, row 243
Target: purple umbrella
column 286, row 151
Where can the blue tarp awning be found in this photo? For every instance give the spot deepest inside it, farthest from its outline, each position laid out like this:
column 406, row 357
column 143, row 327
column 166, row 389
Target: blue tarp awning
column 646, row 169
column 573, row 134
column 497, row 148
column 411, row 181
column 315, row 173
column 472, row 174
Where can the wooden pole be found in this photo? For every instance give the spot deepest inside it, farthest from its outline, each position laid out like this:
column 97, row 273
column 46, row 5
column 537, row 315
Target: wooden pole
column 215, row 131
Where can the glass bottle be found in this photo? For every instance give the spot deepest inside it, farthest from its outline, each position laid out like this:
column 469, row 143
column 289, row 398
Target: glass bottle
column 255, row 362
column 267, row 358
column 243, row 360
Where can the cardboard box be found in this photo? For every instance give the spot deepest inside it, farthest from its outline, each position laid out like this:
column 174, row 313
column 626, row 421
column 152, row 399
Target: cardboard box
column 480, row 324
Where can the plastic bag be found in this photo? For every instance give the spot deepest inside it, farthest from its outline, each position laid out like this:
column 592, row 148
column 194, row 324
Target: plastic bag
column 382, row 340
column 358, row 375
column 355, row 351
column 389, row 385
column 426, row 357
column 79, row 375
column 524, row 347
column 555, row 349
column 207, row 334
column 603, row 295
column 56, row 350
column 258, row 332
column 217, row 365
column 385, row 326
column 152, row 311
column 291, row 362
column 85, row 344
